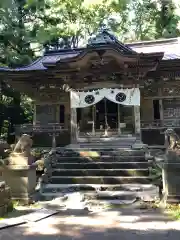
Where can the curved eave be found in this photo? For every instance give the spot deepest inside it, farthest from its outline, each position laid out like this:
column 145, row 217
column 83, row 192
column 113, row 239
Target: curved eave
column 52, row 58
column 34, row 66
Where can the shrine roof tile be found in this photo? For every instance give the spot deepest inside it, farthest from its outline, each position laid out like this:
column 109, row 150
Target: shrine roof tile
column 36, row 65
column 170, row 47
column 40, row 63
column 53, row 58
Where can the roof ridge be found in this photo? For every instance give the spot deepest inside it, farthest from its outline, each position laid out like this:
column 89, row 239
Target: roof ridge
column 158, row 41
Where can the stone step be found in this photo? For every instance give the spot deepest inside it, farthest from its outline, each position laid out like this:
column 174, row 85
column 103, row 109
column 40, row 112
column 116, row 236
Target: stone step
column 99, row 180
column 112, row 195
column 100, row 145
column 63, row 159
column 97, row 187
column 103, row 165
column 101, row 190
column 100, row 172
column 122, row 196
column 125, row 142
column 99, row 151
column 97, row 200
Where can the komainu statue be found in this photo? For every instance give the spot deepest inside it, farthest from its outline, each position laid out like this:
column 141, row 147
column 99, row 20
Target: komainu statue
column 172, row 139
column 21, row 154
column 24, row 144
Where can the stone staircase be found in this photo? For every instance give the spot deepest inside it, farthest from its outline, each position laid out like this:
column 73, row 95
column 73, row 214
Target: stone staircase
column 118, row 171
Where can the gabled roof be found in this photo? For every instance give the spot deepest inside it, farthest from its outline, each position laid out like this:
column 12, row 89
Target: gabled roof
column 170, row 47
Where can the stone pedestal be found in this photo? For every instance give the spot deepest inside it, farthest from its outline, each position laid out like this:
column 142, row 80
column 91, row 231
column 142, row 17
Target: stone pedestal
column 20, row 159
column 19, row 171
column 22, row 181
column 171, row 177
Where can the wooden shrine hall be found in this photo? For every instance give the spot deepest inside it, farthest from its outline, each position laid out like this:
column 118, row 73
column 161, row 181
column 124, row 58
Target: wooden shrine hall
column 104, row 90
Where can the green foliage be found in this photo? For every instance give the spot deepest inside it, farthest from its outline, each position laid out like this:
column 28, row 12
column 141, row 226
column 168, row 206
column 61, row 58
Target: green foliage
column 147, row 19
column 74, row 22
column 166, row 20
column 19, row 23
column 29, row 25
column 14, row 109
column 173, row 210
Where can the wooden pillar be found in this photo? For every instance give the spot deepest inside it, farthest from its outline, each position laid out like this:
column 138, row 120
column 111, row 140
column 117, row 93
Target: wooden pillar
column 161, row 106
column 57, row 113
column 54, row 138
column 34, row 115
column 119, row 120
column 0, row 91
column 73, row 125
column 137, row 119
column 94, row 119
column 161, row 110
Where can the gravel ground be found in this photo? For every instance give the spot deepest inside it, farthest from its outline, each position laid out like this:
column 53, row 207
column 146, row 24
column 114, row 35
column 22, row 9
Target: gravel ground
column 112, row 224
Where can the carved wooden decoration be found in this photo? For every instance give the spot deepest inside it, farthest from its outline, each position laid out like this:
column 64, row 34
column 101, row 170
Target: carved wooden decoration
column 171, row 91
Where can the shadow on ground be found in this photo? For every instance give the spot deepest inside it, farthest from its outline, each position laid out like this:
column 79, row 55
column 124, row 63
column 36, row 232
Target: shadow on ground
column 113, row 224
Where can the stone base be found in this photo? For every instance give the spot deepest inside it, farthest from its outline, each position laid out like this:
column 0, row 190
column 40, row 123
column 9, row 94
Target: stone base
column 3, row 210
column 171, row 177
column 21, row 180
column 172, row 199
column 24, row 200
column 5, row 199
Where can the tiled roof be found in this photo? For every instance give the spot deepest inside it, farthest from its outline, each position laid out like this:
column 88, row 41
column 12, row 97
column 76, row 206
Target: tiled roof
column 36, row 65
column 48, row 59
column 41, row 62
column 170, row 47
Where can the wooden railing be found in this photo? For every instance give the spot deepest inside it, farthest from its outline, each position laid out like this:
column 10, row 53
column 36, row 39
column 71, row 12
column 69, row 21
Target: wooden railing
column 168, row 123
column 30, row 128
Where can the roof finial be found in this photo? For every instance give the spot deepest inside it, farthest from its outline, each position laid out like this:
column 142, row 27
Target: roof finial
column 102, row 28
column 102, row 36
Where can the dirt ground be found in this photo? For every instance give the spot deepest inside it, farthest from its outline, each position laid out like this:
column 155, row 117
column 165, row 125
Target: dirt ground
column 112, row 224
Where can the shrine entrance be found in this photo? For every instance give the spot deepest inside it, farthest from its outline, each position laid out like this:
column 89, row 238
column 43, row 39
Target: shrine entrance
column 105, row 113
column 105, row 119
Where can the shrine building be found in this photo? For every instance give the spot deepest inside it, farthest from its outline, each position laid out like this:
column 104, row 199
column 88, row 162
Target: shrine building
column 106, row 90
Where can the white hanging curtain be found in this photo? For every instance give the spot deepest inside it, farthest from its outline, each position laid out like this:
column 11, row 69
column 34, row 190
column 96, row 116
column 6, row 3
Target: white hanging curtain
column 85, row 99
column 129, row 97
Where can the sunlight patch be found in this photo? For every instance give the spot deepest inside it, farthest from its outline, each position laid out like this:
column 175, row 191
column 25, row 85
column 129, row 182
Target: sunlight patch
column 89, row 154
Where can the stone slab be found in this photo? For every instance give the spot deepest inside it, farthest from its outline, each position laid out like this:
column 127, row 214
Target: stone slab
column 35, row 216
column 11, row 222
column 39, row 214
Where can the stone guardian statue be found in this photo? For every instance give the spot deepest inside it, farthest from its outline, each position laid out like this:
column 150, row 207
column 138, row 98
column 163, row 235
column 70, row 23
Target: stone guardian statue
column 21, row 154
